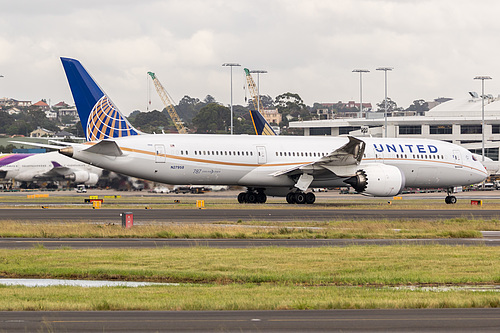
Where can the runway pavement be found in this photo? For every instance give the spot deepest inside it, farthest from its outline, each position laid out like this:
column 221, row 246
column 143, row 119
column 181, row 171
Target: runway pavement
column 83, row 243
column 110, row 215
column 422, row 320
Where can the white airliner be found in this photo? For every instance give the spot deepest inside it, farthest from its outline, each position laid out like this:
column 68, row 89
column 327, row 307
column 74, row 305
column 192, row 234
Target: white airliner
column 265, row 165
column 49, row 167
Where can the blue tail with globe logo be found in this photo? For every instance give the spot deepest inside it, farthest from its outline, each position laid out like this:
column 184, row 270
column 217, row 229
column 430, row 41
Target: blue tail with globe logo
column 100, row 118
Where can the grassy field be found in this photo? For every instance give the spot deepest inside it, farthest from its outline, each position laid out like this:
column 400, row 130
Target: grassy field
column 235, row 297
column 259, row 278
column 352, row 265
column 364, row 229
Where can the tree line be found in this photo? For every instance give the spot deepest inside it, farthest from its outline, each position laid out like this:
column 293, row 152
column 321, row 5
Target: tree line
column 200, row 116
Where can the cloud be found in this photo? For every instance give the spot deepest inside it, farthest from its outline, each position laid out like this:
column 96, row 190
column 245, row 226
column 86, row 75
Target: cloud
column 308, row 47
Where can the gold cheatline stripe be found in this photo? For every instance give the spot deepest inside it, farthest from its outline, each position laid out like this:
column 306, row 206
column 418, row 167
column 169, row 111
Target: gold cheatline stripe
column 207, row 161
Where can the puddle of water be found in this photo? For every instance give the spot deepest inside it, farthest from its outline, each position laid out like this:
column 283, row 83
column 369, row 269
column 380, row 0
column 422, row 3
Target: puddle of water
column 77, row 283
column 448, row 288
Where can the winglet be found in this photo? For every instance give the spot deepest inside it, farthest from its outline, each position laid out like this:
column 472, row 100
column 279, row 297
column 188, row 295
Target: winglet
column 100, row 118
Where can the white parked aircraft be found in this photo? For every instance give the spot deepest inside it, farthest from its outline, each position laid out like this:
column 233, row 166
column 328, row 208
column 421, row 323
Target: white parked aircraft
column 266, row 165
column 50, row 167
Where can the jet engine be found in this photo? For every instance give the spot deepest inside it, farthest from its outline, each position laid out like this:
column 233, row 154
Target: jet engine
column 81, row 176
column 93, row 179
column 379, row 180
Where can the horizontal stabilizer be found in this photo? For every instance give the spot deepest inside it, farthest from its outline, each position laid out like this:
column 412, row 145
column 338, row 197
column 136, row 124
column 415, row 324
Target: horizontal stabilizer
column 105, row 147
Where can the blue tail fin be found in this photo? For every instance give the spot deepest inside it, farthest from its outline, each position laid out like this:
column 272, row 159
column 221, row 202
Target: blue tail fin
column 261, row 126
column 100, row 118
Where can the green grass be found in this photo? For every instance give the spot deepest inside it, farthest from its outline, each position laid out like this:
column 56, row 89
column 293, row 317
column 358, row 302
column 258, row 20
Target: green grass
column 352, row 265
column 260, row 278
column 364, row 229
column 234, row 297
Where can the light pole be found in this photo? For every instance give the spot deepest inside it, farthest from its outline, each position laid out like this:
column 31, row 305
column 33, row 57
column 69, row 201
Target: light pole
column 482, row 78
column 258, row 72
column 231, row 65
column 385, row 69
column 360, row 71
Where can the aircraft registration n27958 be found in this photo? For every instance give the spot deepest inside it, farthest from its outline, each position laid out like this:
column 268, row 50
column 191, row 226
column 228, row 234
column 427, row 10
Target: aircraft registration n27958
column 266, row 165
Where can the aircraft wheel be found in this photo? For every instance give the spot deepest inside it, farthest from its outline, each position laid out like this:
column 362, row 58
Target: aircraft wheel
column 261, row 197
column 250, row 197
column 241, row 197
column 290, row 198
column 310, row 198
column 451, row 199
column 300, row 198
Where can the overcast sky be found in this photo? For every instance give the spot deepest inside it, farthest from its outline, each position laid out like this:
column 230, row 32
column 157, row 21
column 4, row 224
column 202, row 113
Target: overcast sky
column 309, row 47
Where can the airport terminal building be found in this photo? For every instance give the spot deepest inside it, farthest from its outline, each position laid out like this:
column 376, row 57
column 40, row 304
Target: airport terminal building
column 458, row 121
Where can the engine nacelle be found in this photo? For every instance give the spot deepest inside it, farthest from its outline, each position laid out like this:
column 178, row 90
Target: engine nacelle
column 93, row 179
column 81, row 176
column 379, row 180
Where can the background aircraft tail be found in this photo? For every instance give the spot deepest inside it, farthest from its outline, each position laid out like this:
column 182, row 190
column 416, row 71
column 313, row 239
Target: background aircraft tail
column 260, row 125
column 100, row 118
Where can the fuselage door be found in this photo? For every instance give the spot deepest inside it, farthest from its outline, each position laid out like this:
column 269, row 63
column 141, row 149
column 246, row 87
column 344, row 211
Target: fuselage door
column 261, row 155
column 457, row 158
column 159, row 154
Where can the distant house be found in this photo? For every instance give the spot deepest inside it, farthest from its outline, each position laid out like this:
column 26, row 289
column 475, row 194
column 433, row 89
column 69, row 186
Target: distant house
column 271, row 116
column 70, row 111
column 41, row 132
column 10, row 102
column 60, row 105
column 42, row 105
column 63, row 134
column 51, row 114
column 13, row 111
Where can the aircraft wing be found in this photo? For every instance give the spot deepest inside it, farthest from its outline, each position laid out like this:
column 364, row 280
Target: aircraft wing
column 342, row 162
column 57, row 171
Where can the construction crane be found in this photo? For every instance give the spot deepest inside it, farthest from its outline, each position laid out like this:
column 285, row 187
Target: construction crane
column 167, row 101
column 252, row 87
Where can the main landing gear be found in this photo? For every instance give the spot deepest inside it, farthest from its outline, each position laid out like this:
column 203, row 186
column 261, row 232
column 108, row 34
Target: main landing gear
column 450, row 199
column 252, row 196
column 300, row 197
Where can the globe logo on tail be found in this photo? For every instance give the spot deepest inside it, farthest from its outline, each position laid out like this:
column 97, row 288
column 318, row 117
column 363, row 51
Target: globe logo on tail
column 105, row 121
